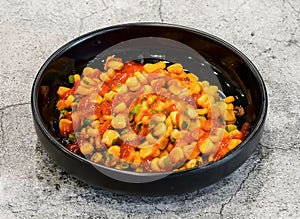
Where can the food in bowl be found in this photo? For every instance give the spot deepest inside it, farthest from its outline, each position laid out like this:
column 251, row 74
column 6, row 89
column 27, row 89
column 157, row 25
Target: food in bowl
column 147, row 117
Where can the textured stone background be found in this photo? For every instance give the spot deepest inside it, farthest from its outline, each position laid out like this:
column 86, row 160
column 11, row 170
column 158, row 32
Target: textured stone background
column 266, row 186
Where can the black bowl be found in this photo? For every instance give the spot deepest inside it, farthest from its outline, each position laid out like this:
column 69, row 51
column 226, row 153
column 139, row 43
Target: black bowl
column 208, row 56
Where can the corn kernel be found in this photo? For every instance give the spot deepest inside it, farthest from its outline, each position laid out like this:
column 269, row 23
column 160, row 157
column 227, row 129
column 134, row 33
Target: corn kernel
column 229, row 99
column 86, row 148
column 119, row 121
column 176, row 155
column 61, row 90
column 109, row 136
column 175, row 68
column 154, row 67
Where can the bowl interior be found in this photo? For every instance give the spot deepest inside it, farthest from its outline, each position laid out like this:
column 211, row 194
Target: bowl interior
column 206, row 56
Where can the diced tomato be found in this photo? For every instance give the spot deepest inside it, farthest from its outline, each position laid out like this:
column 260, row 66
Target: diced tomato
column 69, row 92
column 102, row 128
column 222, row 150
column 65, row 127
column 126, row 150
column 131, row 67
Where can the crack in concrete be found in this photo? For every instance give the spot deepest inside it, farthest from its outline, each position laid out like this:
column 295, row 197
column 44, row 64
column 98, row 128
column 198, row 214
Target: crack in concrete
column 242, row 183
column 282, row 148
column 13, row 105
column 292, row 6
column 159, row 11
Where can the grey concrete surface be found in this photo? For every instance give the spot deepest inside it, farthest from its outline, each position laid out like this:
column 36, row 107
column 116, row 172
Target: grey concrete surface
column 267, row 185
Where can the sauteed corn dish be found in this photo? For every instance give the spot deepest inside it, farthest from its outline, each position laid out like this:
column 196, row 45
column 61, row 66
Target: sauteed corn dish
column 147, row 117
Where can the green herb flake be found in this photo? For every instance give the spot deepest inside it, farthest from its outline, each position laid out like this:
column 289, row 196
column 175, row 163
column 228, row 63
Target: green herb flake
column 154, row 111
column 85, row 81
column 173, row 140
column 72, row 137
column 184, row 124
column 63, row 112
column 71, row 79
column 167, row 161
column 186, row 111
column 139, row 127
column 136, row 109
column 86, row 122
column 175, row 127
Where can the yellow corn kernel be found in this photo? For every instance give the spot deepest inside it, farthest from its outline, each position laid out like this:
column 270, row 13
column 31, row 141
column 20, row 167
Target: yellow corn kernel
column 163, row 153
column 97, row 157
column 121, row 107
column 129, row 137
column 153, row 67
column 99, row 99
column 200, row 160
column 92, row 132
column 235, row 134
column 169, row 130
column 203, row 100
column 229, row 99
column 98, row 143
column 175, row 89
column 195, row 88
column 83, row 90
column 202, row 111
column 176, row 134
column 193, row 77
column 169, row 122
column 119, row 121
column 176, row 155
column 205, row 83
column 87, row 71
column 233, row 143
column 140, row 77
column 123, row 89
column 116, row 65
column 61, row 90
column 150, row 139
column 156, row 153
column 109, row 136
column 207, row 147
column 192, row 163
column 173, row 116
column 69, row 101
column 115, row 150
column 86, row 148
column 147, row 89
column 163, row 143
column 175, row 68
column 137, row 160
column 229, row 106
column 95, row 124
column 164, row 162
column 154, row 164
column 76, row 77
column 107, row 117
column 192, row 113
column 110, row 95
column 229, row 116
column 160, row 129
column 145, row 120
column 132, row 82
column 146, row 152
column 188, row 149
column 139, row 170
column 151, row 99
column 103, row 76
